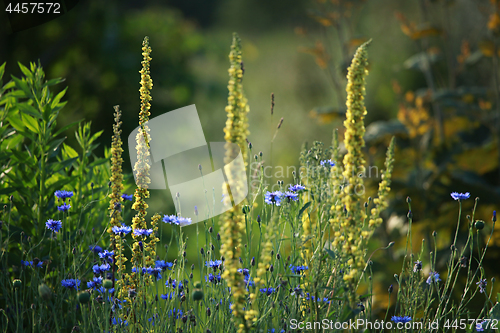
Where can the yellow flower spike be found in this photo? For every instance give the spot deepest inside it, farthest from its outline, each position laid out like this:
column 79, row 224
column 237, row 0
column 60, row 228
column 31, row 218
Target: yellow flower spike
column 116, row 196
column 232, row 222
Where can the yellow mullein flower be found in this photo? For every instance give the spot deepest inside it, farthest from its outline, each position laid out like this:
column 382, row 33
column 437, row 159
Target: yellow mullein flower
column 115, row 196
column 233, row 222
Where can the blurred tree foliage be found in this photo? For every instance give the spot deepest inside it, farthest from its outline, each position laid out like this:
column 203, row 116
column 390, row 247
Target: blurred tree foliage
column 448, row 118
column 94, row 46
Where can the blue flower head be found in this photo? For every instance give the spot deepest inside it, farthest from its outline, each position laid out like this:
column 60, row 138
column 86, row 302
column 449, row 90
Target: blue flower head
column 106, row 255
column 482, row 285
column 143, row 232
column 55, row 226
column 433, row 277
column 63, row 195
column 273, row 198
column 326, row 163
column 460, row 196
column 213, row 264
column 298, row 269
column 64, row 207
column 127, row 197
column 398, row 319
column 296, row 188
column 163, row 265
column 95, row 248
column 121, row 230
column 267, row 291
column 71, row 283
column 291, row 196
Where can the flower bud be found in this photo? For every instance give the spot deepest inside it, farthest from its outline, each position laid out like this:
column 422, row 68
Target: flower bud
column 197, row 295
column 83, row 297
column 108, row 284
column 17, row 283
column 479, row 224
column 45, row 292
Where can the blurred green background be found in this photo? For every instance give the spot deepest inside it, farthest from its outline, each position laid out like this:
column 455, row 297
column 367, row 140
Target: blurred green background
column 433, row 83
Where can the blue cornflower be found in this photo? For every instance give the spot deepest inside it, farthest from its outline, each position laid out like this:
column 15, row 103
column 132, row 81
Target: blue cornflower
column 482, row 285
column 418, row 266
column 291, row 196
column 64, row 207
column 248, row 282
column 168, row 296
column 121, row 230
column 273, row 198
column 152, row 319
column 460, row 196
column 170, row 219
column 30, row 264
column 298, row 269
column 213, row 278
column 95, row 282
column 182, row 221
column 298, row 291
column 119, row 321
column 71, row 283
column 433, row 276
column 154, row 271
column 479, row 326
column 106, row 255
column 267, row 291
column 213, row 264
column 103, row 290
column 163, row 265
column 173, row 284
column 55, row 226
column 98, row 269
column 398, row 319
column 175, row 312
column 61, row 194
column 127, row 197
column 296, row 188
column 327, row 162
column 143, row 232
column 244, row 271
column 95, row 248
column 143, row 270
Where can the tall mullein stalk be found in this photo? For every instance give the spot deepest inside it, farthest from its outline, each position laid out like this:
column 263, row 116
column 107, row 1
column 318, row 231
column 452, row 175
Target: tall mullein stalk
column 115, row 196
column 354, row 164
column 383, row 191
column 141, row 169
column 265, row 254
column 233, row 222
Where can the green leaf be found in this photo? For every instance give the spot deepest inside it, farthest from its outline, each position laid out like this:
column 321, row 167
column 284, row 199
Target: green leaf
column 54, row 82
column 58, row 166
column 97, row 162
column 58, row 97
column 24, row 87
column 59, row 184
column 7, row 190
column 69, row 152
column 29, row 109
column 303, row 209
column 17, row 123
column 56, row 143
column 25, row 71
column 31, row 123
column 2, row 70
column 330, row 253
